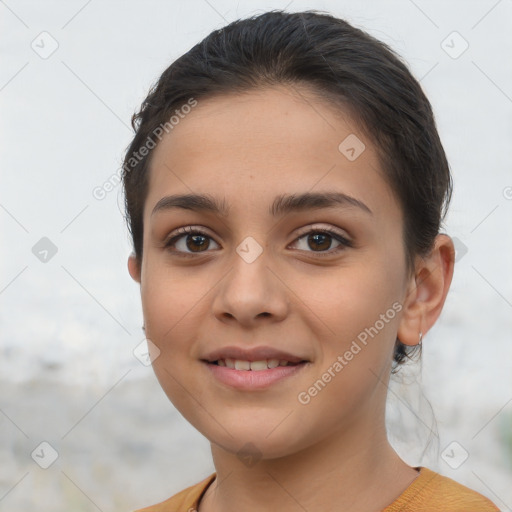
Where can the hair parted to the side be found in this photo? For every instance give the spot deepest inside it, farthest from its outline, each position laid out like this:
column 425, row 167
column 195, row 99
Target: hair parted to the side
column 340, row 64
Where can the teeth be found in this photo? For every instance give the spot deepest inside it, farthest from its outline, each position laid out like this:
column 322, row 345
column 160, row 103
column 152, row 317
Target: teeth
column 242, row 365
column 259, row 365
column 264, row 364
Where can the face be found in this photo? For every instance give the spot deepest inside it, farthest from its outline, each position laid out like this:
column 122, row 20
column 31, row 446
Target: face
column 318, row 283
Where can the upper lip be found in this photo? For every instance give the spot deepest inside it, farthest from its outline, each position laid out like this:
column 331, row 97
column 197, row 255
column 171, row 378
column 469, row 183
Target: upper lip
column 252, row 354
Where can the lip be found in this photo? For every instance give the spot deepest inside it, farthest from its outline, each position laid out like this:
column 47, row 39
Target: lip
column 248, row 380
column 252, row 354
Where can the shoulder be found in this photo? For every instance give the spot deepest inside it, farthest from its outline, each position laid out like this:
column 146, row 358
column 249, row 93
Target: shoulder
column 433, row 491
column 184, row 501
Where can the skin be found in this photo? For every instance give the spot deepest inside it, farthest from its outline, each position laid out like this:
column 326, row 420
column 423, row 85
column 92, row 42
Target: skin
column 332, row 453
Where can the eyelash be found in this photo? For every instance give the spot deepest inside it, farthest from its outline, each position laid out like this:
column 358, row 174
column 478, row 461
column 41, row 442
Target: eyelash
column 190, row 230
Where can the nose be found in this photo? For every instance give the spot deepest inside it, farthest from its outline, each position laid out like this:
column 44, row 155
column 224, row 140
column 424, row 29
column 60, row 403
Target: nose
column 251, row 293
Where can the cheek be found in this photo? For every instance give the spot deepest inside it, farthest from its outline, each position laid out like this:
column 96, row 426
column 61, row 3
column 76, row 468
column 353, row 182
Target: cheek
column 172, row 303
column 352, row 299
column 170, row 322
column 360, row 307
column 169, row 299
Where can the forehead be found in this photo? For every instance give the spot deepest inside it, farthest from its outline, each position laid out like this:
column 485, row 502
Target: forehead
column 257, row 145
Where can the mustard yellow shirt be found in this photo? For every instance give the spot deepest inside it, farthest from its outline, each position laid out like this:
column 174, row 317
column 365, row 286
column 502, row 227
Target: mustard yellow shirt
column 429, row 492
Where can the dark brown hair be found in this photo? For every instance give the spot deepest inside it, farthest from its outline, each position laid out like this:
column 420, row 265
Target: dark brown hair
column 340, row 64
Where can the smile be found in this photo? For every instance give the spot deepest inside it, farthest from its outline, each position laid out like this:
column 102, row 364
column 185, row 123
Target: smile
column 252, row 375
column 264, row 364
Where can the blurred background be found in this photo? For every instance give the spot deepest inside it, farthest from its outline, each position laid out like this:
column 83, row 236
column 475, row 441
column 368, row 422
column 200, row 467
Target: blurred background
column 84, row 425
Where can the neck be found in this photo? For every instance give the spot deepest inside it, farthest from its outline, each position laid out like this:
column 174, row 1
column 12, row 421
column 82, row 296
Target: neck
column 356, row 469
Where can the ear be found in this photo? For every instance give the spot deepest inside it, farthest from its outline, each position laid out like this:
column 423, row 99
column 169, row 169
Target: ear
column 134, row 267
column 427, row 291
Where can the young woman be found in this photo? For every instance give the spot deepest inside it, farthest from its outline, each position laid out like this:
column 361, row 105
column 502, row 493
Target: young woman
column 285, row 190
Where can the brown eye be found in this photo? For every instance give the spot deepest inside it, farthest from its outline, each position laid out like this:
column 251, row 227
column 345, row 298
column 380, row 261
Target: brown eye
column 320, row 241
column 189, row 241
column 198, row 242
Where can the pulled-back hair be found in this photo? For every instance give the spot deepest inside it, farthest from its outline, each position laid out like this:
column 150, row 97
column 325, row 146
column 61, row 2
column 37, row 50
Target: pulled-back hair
column 339, row 63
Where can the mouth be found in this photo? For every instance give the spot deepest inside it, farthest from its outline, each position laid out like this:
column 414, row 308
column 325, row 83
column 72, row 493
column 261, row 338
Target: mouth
column 245, row 365
column 255, row 358
column 257, row 378
column 252, row 369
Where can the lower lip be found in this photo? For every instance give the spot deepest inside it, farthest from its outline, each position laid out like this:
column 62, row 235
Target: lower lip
column 253, row 379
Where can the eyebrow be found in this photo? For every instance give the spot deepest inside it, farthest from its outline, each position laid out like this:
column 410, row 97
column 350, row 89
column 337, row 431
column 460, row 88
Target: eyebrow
column 282, row 204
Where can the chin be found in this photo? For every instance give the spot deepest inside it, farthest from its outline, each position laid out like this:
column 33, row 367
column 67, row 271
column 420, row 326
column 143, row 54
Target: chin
column 255, row 438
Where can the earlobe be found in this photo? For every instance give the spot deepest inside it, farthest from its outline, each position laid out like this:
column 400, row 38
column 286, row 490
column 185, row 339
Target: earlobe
column 427, row 292
column 134, row 267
